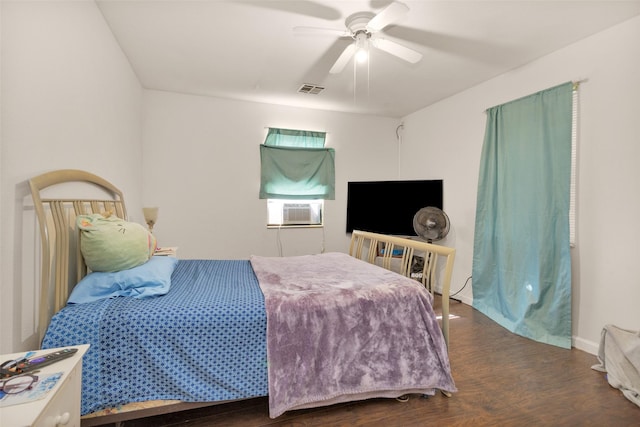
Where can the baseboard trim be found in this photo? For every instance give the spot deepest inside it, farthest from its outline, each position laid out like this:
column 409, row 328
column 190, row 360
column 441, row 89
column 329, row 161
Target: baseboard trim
column 577, row 342
column 585, row 345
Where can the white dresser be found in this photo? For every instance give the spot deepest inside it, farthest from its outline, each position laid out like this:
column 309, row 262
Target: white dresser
column 61, row 404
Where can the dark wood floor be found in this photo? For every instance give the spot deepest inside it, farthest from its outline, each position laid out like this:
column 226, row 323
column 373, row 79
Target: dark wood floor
column 502, row 380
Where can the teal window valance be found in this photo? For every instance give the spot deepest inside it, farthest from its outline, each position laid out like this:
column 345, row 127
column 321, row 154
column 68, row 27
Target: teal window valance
column 296, row 165
column 294, row 138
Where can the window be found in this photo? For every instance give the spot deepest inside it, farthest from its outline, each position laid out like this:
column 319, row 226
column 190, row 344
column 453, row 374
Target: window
column 297, row 175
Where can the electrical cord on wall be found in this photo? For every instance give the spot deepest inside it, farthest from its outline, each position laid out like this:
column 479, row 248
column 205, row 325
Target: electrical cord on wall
column 399, row 138
column 459, row 290
column 279, row 241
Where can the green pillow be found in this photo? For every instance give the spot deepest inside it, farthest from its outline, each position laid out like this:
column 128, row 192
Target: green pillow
column 109, row 243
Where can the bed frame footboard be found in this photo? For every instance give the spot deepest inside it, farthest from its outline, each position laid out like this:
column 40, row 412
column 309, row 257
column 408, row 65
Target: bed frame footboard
column 416, row 259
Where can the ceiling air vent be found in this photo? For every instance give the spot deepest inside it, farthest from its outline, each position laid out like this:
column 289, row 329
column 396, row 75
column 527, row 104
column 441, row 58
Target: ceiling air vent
column 311, row 89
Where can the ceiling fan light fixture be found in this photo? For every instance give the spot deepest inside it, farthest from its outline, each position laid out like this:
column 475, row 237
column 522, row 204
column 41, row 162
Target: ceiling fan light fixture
column 361, row 56
column 364, row 29
column 362, row 47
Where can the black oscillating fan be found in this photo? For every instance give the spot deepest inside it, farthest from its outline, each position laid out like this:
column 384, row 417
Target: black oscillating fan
column 431, row 224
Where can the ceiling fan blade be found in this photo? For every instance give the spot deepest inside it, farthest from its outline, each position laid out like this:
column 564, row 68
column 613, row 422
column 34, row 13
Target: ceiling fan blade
column 342, row 60
column 387, row 16
column 470, row 48
column 398, row 50
column 321, row 31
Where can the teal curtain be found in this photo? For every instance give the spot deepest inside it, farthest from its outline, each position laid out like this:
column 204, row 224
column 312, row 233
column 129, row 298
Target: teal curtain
column 297, row 173
column 521, row 261
column 294, row 138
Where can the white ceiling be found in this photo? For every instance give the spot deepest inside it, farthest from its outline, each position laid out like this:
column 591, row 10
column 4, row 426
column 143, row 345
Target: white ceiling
column 248, row 50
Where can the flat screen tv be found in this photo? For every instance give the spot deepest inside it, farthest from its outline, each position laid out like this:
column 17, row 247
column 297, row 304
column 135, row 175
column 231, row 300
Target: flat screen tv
column 388, row 207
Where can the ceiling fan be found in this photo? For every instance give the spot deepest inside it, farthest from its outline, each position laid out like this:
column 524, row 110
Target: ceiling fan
column 365, row 29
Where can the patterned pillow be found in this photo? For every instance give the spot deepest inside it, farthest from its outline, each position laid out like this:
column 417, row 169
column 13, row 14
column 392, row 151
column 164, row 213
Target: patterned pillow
column 109, row 243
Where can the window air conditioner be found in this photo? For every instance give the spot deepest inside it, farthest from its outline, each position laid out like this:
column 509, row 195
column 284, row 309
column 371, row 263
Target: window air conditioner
column 296, row 213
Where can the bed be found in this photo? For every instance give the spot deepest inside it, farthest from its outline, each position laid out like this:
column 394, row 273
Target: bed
column 306, row 331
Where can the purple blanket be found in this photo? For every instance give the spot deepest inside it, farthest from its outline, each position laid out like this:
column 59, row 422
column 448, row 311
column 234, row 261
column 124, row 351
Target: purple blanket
column 340, row 329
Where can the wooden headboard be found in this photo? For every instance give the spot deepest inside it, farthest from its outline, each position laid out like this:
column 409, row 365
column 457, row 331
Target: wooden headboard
column 56, row 218
column 412, row 258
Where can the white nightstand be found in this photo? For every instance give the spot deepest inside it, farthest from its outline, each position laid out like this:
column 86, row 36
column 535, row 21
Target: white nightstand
column 60, row 406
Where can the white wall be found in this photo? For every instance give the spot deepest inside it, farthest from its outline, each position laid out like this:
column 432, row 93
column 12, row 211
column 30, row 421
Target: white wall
column 202, row 169
column 446, row 138
column 69, row 100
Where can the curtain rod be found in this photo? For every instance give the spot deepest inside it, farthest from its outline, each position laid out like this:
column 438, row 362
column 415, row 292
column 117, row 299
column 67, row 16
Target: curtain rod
column 305, row 130
column 575, row 83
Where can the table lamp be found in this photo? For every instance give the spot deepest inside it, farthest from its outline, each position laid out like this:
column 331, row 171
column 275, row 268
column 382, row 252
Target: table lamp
column 150, row 217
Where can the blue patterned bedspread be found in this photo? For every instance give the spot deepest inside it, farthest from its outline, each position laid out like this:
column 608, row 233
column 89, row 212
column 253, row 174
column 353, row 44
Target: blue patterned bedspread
column 203, row 341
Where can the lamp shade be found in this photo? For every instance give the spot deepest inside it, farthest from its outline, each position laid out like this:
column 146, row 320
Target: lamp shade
column 150, row 214
column 150, row 217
